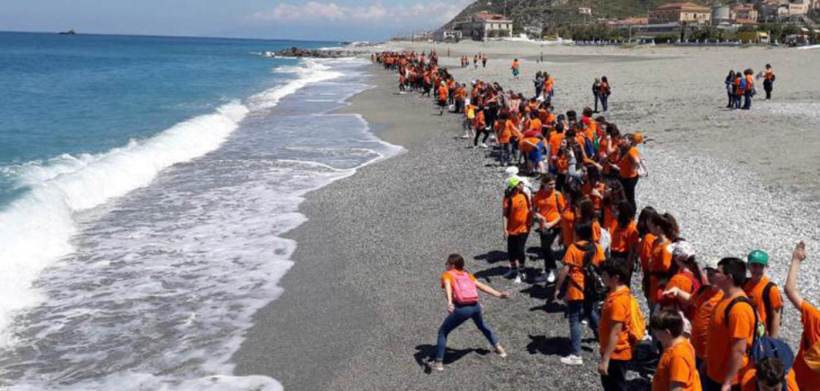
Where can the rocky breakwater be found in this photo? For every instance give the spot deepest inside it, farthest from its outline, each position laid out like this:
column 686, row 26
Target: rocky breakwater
column 316, row 53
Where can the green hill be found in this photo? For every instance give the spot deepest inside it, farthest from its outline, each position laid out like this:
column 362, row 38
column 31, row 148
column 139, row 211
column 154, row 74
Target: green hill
column 562, row 12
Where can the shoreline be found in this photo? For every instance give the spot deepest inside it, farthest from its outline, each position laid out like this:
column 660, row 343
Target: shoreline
column 361, row 304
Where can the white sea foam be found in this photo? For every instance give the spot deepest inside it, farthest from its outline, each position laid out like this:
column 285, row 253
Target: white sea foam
column 200, row 250
column 35, row 230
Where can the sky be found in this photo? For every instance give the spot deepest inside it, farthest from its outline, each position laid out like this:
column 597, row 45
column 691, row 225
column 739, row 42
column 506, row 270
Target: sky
column 328, row 20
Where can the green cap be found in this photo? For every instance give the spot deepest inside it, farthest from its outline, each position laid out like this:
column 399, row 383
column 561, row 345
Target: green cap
column 513, row 182
column 759, row 257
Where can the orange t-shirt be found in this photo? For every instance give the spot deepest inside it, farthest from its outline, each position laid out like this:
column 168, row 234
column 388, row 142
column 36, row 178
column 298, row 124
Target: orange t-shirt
column 535, row 124
column 517, row 211
column 549, row 204
column 683, row 281
column 568, row 227
column 749, row 381
column 616, row 310
column 810, row 317
column 624, row 238
column 704, row 303
column 755, row 292
column 661, row 262
column 555, row 143
column 647, row 244
column 596, row 231
column 677, row 365
column 574, row 258
column 722, row 334
column 442, row 93
column 507, row 132
column 479, row 122
column 628, row 168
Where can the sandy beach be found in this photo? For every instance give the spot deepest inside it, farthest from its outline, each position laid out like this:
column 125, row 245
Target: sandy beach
column 361, row 306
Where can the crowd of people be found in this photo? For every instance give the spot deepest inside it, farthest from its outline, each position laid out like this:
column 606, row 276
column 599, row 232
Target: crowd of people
column 714, row 324
column 740, row 87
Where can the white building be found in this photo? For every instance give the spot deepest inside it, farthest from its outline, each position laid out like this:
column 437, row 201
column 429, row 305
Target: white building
column 485, row 25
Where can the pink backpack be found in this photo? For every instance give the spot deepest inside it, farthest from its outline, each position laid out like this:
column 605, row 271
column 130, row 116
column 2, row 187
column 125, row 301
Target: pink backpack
column 464, row 288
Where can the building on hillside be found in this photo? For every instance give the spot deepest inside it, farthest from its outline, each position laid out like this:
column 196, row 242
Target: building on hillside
column 485, row 25
column 782, row 9
column 447, row 35
column 680, row 13
column 585, row 11
column 721, row 15
column 743, row 14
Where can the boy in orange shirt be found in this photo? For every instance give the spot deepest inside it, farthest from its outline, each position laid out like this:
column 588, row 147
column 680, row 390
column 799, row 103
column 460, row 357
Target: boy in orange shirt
column 729, row 337
column 676, row 369
column 763, row 292
column 806, row 368
column 616, row 350
column 516, row 219
column 571, row 287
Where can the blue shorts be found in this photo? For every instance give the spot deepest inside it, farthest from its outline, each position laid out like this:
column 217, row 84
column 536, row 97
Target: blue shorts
column 537, row 154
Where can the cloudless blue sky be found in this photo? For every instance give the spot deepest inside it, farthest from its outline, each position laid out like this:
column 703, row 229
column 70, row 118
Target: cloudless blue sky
column 334, row 20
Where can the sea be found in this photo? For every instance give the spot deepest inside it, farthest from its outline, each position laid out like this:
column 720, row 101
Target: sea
column 145, row 185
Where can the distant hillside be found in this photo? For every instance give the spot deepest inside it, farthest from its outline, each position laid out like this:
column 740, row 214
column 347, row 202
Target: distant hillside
column 548, row 12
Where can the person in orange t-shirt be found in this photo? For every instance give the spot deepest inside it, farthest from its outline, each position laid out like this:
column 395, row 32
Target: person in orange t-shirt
column 548, row 204
column 628, row 168
column 616, row 349
column 443, row 95
column 703, row 303
column 665, row 229
column 516, row 219
column 677, row 370
column 571, row 288
column 729, row 337
column 769, row 308
column 505, row 139
column 648, row 240
column 769, row 374
column 625, row 237
column 806, row 369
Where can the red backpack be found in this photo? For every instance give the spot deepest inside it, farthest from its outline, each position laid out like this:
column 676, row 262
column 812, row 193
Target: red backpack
column 464, row 288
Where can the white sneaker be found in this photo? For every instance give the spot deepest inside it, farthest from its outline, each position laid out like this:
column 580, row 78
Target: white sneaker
column 438, row 366
column 572, row 360
column 584, row 322
column 551, row 277
column 517, row 279
column 484, row 145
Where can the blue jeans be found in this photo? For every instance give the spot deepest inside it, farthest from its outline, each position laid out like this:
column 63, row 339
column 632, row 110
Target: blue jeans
column 575, row 311
column 459, row 316
column 747, row 104
column 604, row 102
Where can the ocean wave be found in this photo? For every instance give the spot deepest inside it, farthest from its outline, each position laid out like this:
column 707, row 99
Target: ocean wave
column 36, row 229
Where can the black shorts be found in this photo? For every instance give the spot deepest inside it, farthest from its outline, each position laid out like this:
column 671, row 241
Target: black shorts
column 516, row 245
column 442, row 103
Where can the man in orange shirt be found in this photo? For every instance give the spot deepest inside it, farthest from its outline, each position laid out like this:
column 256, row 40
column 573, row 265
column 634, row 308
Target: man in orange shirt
column 676, row 368
column 548, row 204
column 571, row 282
column 516, row 219
column 807, row 363
column 731, row 330
column 763, row 292
column 616, row 350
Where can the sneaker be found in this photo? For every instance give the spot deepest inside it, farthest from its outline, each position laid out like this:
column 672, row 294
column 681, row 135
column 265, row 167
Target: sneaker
column 438, row 366
column 483, row 145
column 512, row 273
column 551, row 277
column 517, row 279
column 572, row 360
column 500, row 350
column 584, row 322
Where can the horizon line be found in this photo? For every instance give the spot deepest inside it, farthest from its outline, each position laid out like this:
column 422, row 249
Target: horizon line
column 172, row 36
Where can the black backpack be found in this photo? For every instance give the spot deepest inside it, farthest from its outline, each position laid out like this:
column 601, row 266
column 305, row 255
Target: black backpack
column 594, row 287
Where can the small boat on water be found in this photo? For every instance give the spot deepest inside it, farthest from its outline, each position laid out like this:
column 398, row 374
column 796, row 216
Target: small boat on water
column 69, row 32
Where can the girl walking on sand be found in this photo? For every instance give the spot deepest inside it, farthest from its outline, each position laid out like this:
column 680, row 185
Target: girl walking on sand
column 603, row 93
column 461, row 290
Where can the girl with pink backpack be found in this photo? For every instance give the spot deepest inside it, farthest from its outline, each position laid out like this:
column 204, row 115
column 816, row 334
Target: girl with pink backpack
column 461, row 290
